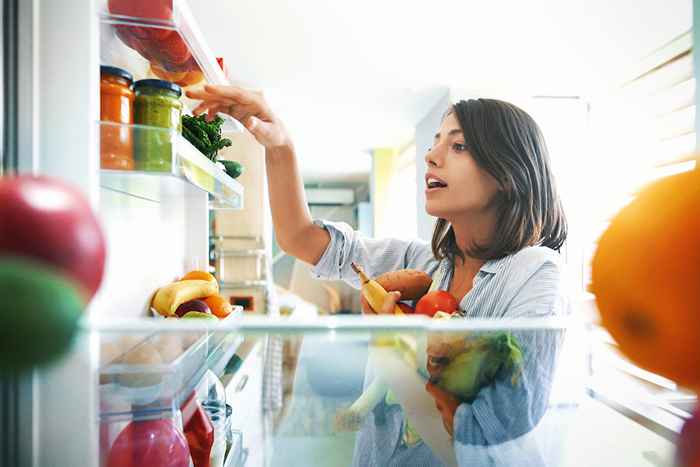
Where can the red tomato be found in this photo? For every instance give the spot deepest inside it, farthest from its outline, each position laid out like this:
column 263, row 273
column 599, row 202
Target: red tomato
column 406, row 308
column 150, row 9
column 171, row 50
column 161, row 10
column 437, row 300
column 152, row 443
column 52, row 222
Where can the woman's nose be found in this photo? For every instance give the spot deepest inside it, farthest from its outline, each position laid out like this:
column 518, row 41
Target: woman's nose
column 432, row 157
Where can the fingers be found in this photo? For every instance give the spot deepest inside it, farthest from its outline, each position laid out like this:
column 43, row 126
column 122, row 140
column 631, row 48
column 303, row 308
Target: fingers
column 223, row 93
column 235, row 93
column 204, row 106
column 387, row 307
column 231, row 100
column 364, row 305
column 390, row 303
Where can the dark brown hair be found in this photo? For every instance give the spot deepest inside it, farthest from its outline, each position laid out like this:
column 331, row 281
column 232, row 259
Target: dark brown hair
column 507, row 143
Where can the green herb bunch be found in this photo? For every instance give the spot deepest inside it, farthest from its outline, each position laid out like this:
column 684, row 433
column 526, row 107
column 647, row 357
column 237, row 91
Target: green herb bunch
column 204, row 135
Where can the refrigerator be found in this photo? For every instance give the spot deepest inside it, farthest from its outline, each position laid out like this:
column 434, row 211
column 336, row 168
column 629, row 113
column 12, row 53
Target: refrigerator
column 156, row 223
column 158, row 227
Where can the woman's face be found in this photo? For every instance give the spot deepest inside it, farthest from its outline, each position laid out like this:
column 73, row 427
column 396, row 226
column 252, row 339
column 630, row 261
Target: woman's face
column 455, row 185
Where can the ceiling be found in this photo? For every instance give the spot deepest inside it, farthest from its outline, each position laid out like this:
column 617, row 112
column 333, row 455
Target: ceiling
column 348, row 79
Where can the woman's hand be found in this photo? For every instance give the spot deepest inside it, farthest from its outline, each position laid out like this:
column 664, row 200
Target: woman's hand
column 295, row 231
column 385, row 280
column 410, row 284
column 248, row 107
column 387, row 307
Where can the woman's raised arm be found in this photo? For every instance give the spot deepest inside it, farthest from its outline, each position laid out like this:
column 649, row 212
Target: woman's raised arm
column 294, row 229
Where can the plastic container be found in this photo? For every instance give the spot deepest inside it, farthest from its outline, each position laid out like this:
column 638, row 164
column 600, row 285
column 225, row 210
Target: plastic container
column 199, row 431
column 228, row 427
column 217, row 416
column 117, row 106
column 211, row 391
column 157, row 104
column 240, row 265
column 160, row 371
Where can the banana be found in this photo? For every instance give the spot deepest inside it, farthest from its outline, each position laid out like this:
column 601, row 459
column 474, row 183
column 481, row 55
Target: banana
column 168, row 298
column 373, row 292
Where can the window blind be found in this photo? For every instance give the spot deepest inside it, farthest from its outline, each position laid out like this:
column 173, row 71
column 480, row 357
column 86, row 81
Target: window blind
column 644, row 130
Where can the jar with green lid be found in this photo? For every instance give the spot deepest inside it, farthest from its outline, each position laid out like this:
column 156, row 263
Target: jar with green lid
column 157, row 104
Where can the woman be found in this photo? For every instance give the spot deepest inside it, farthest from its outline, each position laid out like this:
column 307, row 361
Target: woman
column 495, row 248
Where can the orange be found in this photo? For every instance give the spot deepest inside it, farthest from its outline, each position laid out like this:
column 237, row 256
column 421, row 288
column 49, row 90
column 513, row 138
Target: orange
column 219, row 306
column 198, row 275
column 646, row 278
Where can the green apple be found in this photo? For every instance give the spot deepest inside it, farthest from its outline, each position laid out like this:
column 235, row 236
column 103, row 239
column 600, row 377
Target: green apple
column 39, row 312
column 199, row 315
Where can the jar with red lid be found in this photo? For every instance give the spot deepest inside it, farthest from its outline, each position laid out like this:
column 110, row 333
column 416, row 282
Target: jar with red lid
column 117, row 110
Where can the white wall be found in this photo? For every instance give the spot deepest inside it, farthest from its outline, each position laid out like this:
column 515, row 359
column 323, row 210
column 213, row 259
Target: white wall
column 425, row 131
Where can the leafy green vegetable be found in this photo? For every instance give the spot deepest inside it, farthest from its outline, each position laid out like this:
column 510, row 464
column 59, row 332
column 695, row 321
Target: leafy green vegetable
column 205, row 136
column 478, row 365
column 192, row 138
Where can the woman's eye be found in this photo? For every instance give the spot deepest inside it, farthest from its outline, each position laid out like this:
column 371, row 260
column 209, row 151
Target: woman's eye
column 459, row 147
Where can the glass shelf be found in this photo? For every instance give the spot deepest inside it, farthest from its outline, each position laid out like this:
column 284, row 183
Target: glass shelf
column 160, row 162
column 344, row 378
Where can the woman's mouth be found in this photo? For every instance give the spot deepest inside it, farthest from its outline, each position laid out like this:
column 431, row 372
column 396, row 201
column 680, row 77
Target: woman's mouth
column 434, row 183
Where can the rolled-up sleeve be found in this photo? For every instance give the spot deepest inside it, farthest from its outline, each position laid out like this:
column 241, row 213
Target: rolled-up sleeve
column 504, row 411
column 376, row 256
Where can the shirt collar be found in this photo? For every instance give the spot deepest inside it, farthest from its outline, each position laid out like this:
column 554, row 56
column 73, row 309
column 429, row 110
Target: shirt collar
column 494, row 266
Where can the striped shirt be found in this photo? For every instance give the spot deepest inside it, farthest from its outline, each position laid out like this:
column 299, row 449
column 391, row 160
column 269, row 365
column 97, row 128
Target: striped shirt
column 524, row 284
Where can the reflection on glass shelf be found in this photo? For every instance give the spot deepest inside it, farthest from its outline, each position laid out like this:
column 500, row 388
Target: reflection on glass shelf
column 157, row 152
column 352, row 379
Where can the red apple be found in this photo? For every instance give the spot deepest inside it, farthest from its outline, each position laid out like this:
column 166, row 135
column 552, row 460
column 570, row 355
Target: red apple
column 52, row 222
column 192, row 305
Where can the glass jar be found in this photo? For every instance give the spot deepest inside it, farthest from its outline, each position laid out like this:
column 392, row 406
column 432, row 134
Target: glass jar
column 117, row 106
column 157, row 104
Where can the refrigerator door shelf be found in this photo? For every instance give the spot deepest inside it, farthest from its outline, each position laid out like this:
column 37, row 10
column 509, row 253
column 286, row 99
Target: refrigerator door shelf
column 166, row 164
column 163, row 32
column 159, row 39
column 158, row 372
